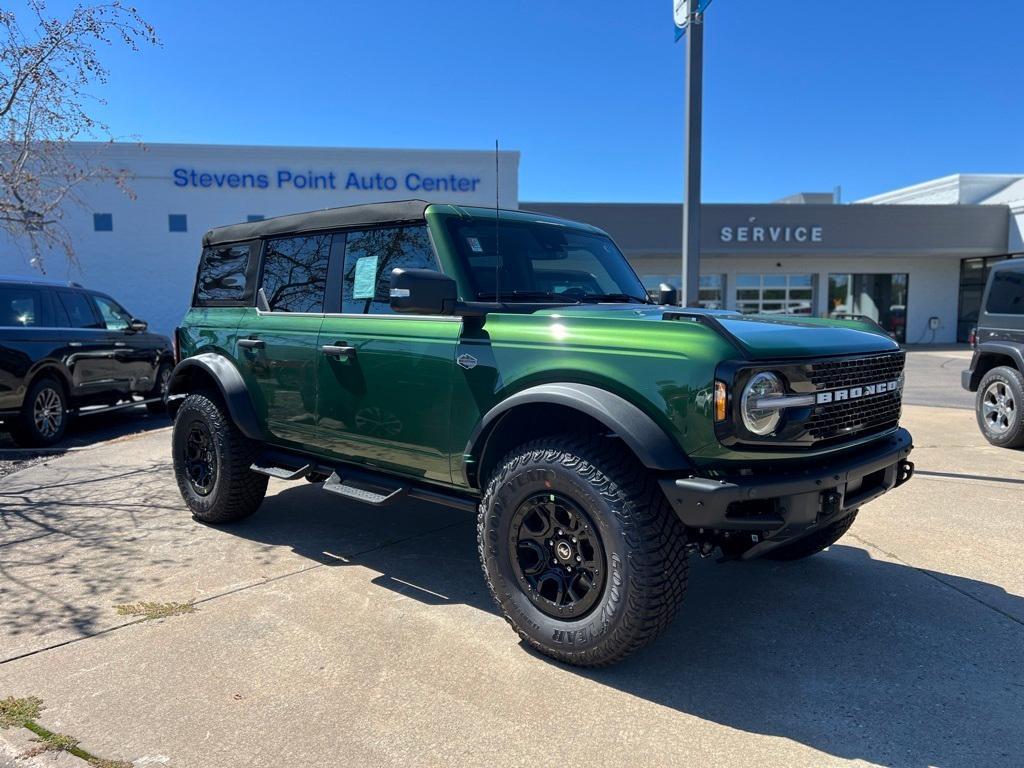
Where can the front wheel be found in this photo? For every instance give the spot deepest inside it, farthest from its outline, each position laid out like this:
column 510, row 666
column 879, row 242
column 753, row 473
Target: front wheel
column 211, row 463
column 1000, row 407
column 580, row 549
column 44, row 415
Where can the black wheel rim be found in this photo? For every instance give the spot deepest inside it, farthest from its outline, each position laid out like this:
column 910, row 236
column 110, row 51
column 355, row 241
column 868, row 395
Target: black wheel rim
column 557, row 555
column 200, row 459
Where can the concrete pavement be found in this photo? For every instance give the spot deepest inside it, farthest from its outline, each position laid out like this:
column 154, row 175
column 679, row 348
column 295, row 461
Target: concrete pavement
column 329, row 634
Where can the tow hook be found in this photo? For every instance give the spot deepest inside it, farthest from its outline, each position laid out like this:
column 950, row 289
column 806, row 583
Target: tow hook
column 904, row 472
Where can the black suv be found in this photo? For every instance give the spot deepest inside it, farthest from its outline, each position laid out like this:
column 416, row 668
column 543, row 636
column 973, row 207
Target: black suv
column 998, row 361
column 63, row 349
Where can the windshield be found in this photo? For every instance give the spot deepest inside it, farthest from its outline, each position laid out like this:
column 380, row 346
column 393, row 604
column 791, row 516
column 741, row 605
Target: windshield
column 543, row 262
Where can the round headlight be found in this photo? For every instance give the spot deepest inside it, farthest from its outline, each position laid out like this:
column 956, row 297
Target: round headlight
column 761, row 421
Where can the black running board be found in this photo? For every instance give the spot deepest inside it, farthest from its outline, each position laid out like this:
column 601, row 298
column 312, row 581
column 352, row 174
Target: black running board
column 361, row 484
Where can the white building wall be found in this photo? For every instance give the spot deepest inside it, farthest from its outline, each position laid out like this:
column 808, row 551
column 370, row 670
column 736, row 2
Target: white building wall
column 151, row 270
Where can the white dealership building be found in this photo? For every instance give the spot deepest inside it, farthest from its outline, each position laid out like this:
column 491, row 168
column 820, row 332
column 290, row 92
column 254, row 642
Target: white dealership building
column 914, row 259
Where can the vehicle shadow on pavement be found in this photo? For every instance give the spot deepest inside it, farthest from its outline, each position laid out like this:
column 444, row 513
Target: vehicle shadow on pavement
column 856, row 657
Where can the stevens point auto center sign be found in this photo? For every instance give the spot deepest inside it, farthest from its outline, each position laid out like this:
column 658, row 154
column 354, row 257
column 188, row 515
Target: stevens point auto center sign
column 411, row 181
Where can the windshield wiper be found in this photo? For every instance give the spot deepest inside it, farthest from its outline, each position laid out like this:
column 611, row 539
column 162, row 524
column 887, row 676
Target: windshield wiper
column 616, row 297
column 530, row 296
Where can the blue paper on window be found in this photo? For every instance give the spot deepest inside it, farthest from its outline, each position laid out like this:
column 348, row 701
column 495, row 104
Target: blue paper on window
column 366, row 278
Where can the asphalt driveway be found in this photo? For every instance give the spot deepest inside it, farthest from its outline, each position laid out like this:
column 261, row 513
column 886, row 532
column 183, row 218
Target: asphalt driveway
column 328, row 634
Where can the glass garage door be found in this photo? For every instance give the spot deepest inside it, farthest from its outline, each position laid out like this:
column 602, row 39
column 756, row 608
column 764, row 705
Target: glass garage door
column 882, row 297
column 775, row 294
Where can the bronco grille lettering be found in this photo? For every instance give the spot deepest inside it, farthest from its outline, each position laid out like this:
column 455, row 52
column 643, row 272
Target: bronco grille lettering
column 854, row 393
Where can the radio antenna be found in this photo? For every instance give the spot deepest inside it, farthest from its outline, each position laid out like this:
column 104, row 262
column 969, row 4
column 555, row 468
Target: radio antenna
column 497, row 234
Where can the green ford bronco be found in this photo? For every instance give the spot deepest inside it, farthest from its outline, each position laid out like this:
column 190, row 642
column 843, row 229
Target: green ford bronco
column 510, row 364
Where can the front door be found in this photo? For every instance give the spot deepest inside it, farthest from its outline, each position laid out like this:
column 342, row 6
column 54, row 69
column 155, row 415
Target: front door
column 276, row 350
column 385, row 379
column 135, row 361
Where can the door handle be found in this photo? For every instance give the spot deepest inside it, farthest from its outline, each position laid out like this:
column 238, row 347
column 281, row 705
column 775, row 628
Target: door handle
column 252, row 343
column 342, row 351
column 120, row 344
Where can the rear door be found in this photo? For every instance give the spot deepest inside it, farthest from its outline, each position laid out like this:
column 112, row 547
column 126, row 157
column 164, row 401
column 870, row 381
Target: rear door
column 276, row 350
column 135, row 360
column 90, row 353
column 385, row 379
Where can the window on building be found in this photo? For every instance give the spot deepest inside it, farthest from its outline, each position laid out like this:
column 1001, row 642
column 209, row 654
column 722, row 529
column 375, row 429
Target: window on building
column 79, row 310
column 103, row 222
column 711, row 294
column 775, row 294
column 973, row 275
column 177, row 222
column 255, row 217
column 1006, row 296
column 222, row 276
column 881, row 297
column 115, row 317
column 295, row 273
column 370, row 255
column 20, row 307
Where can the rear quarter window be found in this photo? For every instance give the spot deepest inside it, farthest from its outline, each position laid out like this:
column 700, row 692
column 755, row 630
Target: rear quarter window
column 20, row 307
column 1006, row 293
column 223, row 279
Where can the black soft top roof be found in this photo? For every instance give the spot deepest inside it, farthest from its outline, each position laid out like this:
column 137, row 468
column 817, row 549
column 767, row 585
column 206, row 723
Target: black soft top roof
column 403, row 211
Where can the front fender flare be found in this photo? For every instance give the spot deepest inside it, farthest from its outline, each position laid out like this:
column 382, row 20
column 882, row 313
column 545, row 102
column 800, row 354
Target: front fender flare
column 648, row 441
column 229, row 383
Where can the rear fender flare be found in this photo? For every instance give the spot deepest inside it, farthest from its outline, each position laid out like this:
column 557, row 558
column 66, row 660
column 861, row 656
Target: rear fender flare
column 229, row 382
column 993, row 348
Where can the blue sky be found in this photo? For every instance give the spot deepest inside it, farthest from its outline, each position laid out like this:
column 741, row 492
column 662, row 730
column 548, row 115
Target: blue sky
column 800, row 95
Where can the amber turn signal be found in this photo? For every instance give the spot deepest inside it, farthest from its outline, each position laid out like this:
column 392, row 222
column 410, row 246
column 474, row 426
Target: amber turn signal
column 720, row 398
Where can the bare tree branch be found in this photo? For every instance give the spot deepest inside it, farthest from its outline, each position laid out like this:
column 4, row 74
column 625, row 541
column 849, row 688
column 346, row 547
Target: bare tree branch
column 46, row 72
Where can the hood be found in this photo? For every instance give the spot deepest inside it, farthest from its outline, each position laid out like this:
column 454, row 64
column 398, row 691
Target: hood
column 759, row 337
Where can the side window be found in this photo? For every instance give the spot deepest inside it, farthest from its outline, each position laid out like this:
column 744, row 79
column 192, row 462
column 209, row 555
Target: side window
column 222, row 276
column 370, row 255
column 79, row 309
column 295, row 273
column 59, row 314
column 20, row 307
column 113, row 314
column 1006, row 296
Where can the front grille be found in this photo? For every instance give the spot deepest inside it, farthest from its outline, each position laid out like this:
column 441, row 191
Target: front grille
column 853, row 418
column 831, row 374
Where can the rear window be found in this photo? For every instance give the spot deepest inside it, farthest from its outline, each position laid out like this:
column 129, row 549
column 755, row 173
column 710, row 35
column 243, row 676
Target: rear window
column 223, row 276
column 1006, row 294
column 20, row 307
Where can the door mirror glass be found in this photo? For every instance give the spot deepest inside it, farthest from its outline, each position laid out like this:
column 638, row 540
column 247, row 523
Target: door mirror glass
column 422, row 291
column 137, row 326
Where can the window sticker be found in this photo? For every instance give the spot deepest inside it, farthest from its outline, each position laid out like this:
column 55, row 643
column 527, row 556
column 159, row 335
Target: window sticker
column 474, row 245
column 365, row 286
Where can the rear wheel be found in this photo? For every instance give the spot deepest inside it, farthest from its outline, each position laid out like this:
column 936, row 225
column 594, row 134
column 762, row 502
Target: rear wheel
column 999, row 407
column 815, row 542
column 580, row 549
column 163, row 382
column 211, row 463
column 44, row 415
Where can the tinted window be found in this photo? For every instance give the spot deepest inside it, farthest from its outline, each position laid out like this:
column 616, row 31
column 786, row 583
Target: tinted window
column 113, row 314
column 20, row 307
column 222, row 275
column 370, row 255
column 1006, row 296
column 80, row 313
column 295, row 273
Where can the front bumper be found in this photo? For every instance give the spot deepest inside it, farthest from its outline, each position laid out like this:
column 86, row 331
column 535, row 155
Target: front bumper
column 778, row 508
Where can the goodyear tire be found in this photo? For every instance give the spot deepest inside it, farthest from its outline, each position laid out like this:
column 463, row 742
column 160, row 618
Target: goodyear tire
column 211, row 463
column 44, row 415
column 999, row 407
column 814, row 543
column 580, row 549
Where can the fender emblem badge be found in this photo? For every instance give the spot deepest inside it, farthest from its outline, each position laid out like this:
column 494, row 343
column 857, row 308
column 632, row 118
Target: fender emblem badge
column 467, row 361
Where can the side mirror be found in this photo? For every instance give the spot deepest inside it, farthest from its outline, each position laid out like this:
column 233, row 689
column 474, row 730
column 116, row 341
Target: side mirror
column 423, row 292
column 667, row 294
column 137, row 326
